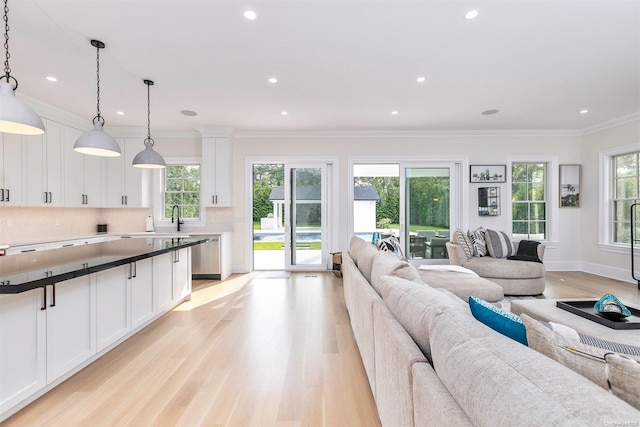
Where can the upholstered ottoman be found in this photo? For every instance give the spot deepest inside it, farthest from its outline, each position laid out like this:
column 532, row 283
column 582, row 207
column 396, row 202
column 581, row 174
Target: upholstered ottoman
column 463, row 285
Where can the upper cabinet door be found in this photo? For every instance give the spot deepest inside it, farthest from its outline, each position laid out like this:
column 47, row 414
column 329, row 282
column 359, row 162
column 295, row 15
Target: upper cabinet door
column 84, row 180
column 45, row 167
column 128, row 186
column 216, row 172
column 12, row 170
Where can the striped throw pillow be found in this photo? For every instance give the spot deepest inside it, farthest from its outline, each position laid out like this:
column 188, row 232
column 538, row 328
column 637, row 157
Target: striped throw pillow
column 477, row 239
column 462, row 239
column 499, row 244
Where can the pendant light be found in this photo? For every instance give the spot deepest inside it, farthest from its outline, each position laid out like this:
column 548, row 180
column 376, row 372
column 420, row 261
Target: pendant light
column 15, row 115
column 97, row 142
column 148, row 158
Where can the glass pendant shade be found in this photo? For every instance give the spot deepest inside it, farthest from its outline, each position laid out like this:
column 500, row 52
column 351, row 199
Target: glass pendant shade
column 149, row 159
column 97, row 142
column 16, row 116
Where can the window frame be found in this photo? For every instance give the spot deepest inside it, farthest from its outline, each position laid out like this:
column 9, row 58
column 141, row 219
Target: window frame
column 606, row 177
column 159, row 202
column 551, row 195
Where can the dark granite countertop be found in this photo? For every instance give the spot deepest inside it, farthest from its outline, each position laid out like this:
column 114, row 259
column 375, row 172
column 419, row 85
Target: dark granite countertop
column 23, row 272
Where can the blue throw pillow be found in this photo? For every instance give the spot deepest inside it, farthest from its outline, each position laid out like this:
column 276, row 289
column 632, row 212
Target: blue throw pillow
column 505, row 322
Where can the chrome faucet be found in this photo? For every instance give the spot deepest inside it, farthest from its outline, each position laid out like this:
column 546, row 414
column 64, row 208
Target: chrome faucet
column 174, row 209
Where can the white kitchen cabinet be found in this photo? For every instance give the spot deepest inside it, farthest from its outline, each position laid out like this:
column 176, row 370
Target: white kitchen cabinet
column 181, row 273
column 23, row 344
column 45, row 167
column 128, row 186
column 12, row 170
column 215, row 172
column 84, row 175
column 142, row 293
column 112, row 308
column 163, row 281
column 71, row 324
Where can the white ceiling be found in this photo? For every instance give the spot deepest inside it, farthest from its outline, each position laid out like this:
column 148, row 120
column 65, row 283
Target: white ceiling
column 341, row 65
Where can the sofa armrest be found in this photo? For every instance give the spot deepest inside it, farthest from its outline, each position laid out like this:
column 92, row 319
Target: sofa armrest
column 456, row 254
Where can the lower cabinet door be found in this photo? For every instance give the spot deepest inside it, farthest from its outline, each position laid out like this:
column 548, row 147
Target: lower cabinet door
column 182, row 273
column 71, row 324
column 163, row 281
column 142, row 299
column 112, row 305
column 23, row 347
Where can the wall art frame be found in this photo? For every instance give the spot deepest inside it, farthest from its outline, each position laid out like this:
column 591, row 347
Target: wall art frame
column 488, row 173
column 569, row 186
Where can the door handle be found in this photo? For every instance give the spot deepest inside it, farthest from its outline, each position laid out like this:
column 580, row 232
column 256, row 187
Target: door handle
column 8, row 194
column 53, row 296
column 2, row 197
column 44, row 298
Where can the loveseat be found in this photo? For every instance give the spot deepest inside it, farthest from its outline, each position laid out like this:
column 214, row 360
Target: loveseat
column 430, row 363
column 516, row 277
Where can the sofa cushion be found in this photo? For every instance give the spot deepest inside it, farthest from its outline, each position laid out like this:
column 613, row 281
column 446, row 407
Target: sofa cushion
column 505, row 269
column 623, row 378
column 502, row 321
column 479, row 244
column 586, row 360
column 499, row 244
column 462, row 285
column 386, row 264
column 498, row 382
column 356, row 248
column 461, row 238
column 410, row 304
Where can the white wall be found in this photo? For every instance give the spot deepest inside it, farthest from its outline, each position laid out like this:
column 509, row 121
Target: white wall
column 483, row 148
column 594, row 259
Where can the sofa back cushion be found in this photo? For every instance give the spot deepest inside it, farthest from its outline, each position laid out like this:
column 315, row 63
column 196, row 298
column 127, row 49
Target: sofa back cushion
column 363, row 254
column 386, row 264
column 410, row 303
column 499, row 382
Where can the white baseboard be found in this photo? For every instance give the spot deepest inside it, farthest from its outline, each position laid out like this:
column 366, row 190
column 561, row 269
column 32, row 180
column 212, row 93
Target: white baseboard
column 621, row 274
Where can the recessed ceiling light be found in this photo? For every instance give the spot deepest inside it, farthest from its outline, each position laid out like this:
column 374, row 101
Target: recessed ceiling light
column 250, row 15
column 584, row 111
column 273, row 80
column 284, row 113
column 394, row 113
column 188, row 113
column 489, row 112
column 420, row 79
column 120, row 113
column 52, row 79
column 472, row 14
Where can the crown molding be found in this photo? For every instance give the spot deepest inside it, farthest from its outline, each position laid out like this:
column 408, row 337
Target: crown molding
column 56, row 114
column 405, row 134
column 611, row 123
column 213, row 132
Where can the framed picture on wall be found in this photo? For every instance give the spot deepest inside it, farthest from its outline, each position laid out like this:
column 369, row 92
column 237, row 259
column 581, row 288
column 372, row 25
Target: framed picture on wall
column 488, row 173
column 569, row 186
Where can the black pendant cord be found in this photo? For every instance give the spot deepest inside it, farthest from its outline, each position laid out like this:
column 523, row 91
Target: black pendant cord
column 98, row 45
column 7, row 68
column 149, row 140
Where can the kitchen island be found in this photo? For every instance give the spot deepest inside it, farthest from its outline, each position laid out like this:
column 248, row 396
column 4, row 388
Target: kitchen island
column 62, row 309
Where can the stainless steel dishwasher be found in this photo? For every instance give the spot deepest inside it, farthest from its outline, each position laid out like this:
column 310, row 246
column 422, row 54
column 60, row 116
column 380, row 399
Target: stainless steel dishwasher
column 205, row 259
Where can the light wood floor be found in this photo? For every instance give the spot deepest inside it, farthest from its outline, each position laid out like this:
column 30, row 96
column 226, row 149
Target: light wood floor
column 246, row 351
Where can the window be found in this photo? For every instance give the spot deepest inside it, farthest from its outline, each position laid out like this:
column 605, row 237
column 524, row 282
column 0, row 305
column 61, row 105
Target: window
column 529, row 200
column 626, row 181
column 182, row 188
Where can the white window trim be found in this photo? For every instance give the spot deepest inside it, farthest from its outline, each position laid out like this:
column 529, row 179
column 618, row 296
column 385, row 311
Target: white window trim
column 553, row 195
column 158, row 205
column 605, row 170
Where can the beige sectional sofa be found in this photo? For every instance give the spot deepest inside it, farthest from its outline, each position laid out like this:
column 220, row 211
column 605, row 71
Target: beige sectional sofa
column 515, row 277
column 430, row 363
